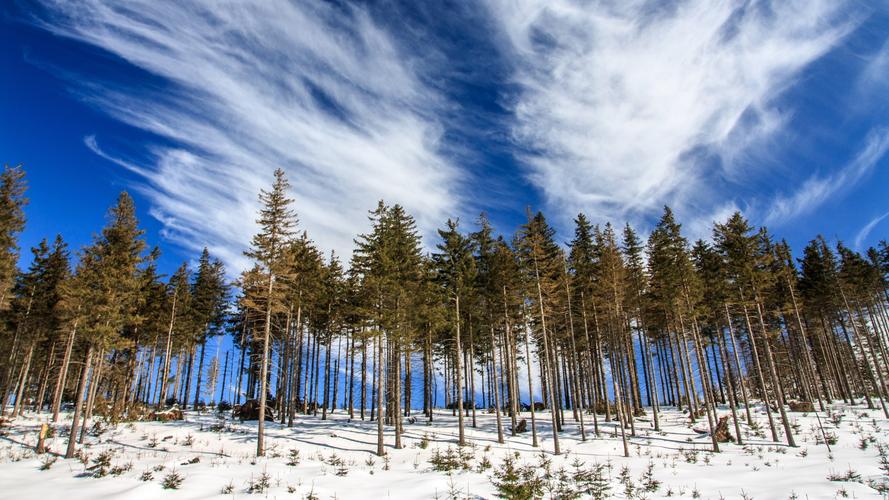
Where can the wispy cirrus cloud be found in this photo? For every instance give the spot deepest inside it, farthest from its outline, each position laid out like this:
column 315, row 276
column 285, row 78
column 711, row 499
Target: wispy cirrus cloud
column 866, row 230
column 629, row 105
column 818, row 189
column 316, row 89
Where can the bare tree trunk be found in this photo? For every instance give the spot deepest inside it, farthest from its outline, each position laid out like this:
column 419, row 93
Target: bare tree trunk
column 461, row 439
column 336, row 372
column 326, row 379
column 395, row 367
column 379, row 381
column 352, row 375
column 743, row 384
column 732, row 395
column 759, row 376
column 95, row 380
column 23, row 382
column 779, row 391
column 44, row 378
column 63, row 374
column 363, row 375
column 619, row 408
column 530, row 384
column 197, row 389
column 870, row 369
column 78, row 402
column 594, row 373
column 547, row 362
column 709, row 399
column 809, row 362
column 169, row 346
column 297, row 361
column 264, row 368
column 241, row 371
column 496, row 392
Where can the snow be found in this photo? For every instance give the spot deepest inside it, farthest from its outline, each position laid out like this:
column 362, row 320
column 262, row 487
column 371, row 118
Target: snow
column 761, row 469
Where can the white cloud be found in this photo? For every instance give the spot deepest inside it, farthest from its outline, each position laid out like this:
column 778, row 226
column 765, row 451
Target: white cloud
column 865, row 231
column 620, row 99
column 818, row 189
column 316, row 89
column 876, row 73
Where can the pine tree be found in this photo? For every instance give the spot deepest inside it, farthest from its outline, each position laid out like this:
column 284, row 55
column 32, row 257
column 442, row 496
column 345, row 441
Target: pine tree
column 36, row 319
column 456, row 272
column 276, row 224
column 543, row 266
column 149, row 326
column 714, row 296
column 177, row 303
column 636, row 284
column 852, row 279
column 489, row 299
column 747, row 269
column 209, row 299
column 583, row 263
column 108, row 286
column 390, row 266
column 610, row 294
column 12, row 222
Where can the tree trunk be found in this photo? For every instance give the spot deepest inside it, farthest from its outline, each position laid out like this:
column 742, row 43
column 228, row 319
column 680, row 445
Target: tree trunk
column 547, row 362
column 197, row 389
column 461, row 439
column 496, row 392
column 759, row 376
column 63, row 374
column 23, row 382
column 379, row 398
column 530, row 382
column 78, row 402
column 264, row 368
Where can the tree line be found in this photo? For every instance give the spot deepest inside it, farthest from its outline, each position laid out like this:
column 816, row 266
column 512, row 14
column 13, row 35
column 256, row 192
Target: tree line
column 606, row 328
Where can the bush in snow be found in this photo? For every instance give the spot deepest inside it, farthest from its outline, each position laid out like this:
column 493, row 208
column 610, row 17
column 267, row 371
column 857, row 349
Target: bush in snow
column 293, row 457
column 259, row 485
column 172, row 481
column 47, row 462
column 517, row 482
column 228, row 489
column 649, row 483
column 450, row 460
column 101, row 464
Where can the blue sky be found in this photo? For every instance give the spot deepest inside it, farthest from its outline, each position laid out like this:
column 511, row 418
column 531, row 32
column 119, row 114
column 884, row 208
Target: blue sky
column 449, row 108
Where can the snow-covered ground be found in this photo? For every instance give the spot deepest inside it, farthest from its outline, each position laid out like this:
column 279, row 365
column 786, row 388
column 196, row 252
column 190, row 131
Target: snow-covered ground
column 336, row 459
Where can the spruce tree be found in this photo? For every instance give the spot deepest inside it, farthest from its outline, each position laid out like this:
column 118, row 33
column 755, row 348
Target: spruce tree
column 456, row 272
column 276, row 225
column 209, row 298
column 636, row 284
column 748, row 272
column 543, row 266
column 583, row 263
column 34, row 311
column 108, row 286
column 12, row 222
column 390, row 265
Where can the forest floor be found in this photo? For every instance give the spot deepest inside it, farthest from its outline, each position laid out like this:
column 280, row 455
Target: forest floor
column 214, row 457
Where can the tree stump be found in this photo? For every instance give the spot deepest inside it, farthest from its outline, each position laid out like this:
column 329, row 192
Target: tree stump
column 722, row 433
column 41, row 439
column 522, row 426
column 801, row 406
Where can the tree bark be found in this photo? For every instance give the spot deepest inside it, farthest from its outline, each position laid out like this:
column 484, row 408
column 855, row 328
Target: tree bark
column 78, row 402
